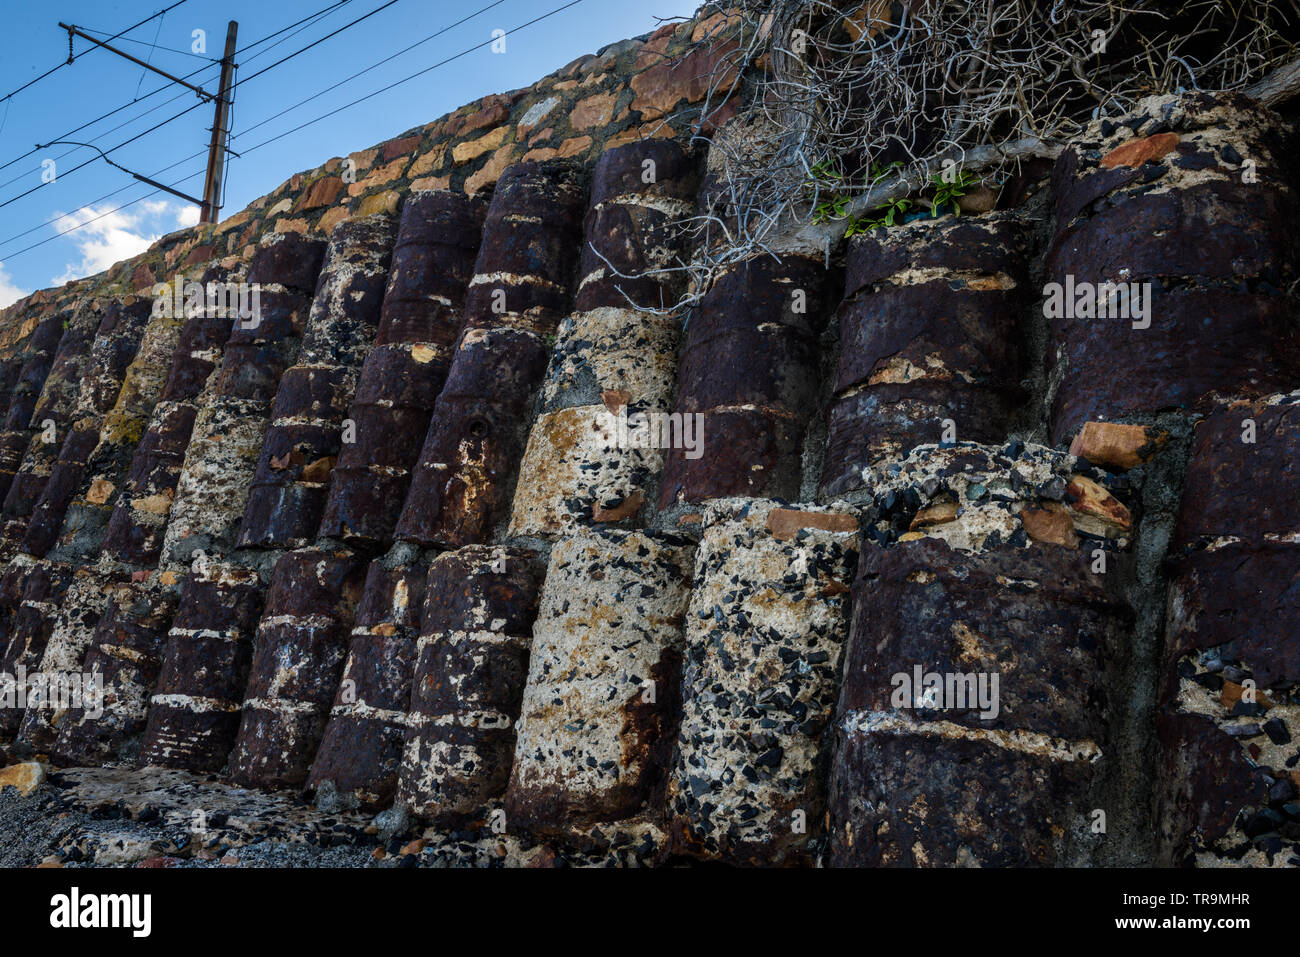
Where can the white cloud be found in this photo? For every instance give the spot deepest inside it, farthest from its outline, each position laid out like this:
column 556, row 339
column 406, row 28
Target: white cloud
column 107, row 236
column 9, row 293
column 103, row 238
column 187, row 215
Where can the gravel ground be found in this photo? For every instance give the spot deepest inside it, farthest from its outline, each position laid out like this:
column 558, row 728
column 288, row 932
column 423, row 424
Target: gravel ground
column 36, row 828
column 29, row 830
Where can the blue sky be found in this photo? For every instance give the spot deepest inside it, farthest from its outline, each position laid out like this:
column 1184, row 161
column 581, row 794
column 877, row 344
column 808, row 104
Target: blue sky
column 98, row 82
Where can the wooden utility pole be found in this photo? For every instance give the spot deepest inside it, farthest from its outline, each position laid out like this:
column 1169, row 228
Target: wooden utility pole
column 220, row 132
column 210, row 205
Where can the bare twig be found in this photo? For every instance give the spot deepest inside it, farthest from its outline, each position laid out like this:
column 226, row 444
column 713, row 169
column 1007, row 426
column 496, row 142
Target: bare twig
column 845, row 110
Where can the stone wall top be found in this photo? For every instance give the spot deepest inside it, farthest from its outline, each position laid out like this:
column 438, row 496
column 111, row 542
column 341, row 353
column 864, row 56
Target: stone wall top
column 641, row 88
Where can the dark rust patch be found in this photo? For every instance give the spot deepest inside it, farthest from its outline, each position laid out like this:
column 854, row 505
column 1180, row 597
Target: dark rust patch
column 297, row 663
column 194, row 712
column 361, row 749
column 472, row 661
column 752, row 342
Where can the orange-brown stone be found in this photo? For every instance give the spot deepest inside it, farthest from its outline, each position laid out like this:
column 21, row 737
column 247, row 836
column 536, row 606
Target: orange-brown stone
column 1139, row 151
column 786, row 523
column 1091, row 499
column 593, row 111
column 1117, row 446
column 574, row 146
column 662, row 87
column 1051, row 524
column 323, row 192
column 395, row 148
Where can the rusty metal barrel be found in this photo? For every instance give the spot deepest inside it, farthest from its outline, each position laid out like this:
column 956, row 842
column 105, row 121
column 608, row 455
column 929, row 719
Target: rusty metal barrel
column 750, row 369
column 123, row 661
column 470, row 667
column 765, row 636
column 1230, row 682
column 602, row 703
column 298, row 660
column 307, row 430
column 973, row 719
column 13, row 578
column 361, row 748
column 100, row 421
column 1187, row 210
column 36, row 588
column 11, row 368
column 930, row 340
column 141, row 508
column 194, row 709
column 51, row 418
column 520, row 290
column 433, row 261
column 76, row 618
column 235, row 405
column 38, row 359
column 595, row 453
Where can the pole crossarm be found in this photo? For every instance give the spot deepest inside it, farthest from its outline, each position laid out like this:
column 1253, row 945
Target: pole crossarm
column 210, row 204
column 73, row 31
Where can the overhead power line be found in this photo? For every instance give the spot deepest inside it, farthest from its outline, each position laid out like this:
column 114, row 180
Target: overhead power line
column 106, row 213
column 79, row 166
column 73, row 56
column 135, row 175
column 113, row 129
column 346, row 26
column 318, row 15
column 104, row 116
column 373, row 66
column 314, row 17
column 73, row 29
column 303, row 24
column 154, row 45
column 109, row 195
column 441, row 63
column 407, row 79
column 195, row 106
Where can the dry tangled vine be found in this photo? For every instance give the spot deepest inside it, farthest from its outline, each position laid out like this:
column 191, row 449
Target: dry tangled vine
column 847, row 106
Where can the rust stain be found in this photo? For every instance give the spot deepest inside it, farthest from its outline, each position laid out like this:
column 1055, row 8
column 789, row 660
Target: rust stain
column 615, row 399
column 786, row 523
column 625, row 509
column 938, row 514
column 1091, row 499
column 1051, row 524
column 1137, row 152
